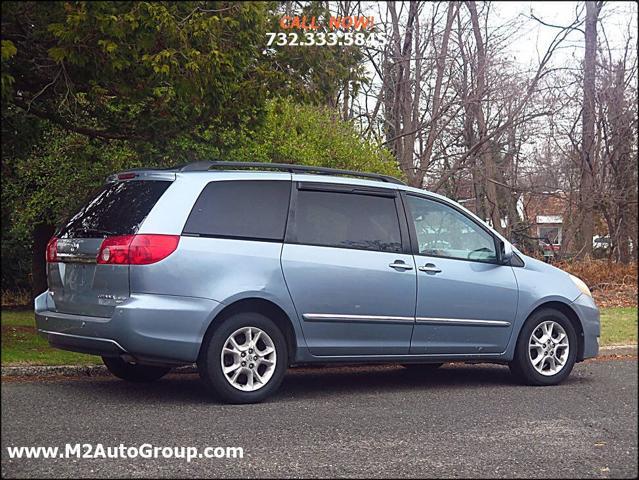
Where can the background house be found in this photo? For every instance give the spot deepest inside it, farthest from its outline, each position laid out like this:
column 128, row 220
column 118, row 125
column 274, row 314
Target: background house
column 544, row 213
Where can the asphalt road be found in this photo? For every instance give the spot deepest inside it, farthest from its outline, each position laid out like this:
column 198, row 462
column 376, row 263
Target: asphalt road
column 461, row 421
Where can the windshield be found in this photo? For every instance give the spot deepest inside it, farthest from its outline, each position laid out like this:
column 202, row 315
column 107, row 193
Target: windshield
column 117, row 209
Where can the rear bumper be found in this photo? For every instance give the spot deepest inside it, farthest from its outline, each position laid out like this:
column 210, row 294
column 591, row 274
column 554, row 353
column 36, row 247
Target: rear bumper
column 151, row 328
column 589, row 315
column 82, row 344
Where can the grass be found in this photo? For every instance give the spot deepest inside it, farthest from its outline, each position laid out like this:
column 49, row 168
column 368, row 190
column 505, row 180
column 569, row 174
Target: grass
column 21, row 344
column 618, row 325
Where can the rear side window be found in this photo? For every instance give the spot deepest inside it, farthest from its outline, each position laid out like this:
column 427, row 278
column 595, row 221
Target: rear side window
column 117, row 209
column 347, row 220
column 251, row 209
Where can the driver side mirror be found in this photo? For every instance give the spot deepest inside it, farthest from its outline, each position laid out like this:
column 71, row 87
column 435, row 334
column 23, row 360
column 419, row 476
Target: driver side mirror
column 505, row 252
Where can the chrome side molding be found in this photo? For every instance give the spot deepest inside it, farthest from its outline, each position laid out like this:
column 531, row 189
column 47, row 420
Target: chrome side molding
column 462, row 321
column 335, row 317
column 338, row 317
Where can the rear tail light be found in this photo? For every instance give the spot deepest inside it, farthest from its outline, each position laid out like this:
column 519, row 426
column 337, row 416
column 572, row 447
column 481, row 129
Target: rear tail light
column 52, row 250
column 126, row 176
column 137, row 249
column 115, row 250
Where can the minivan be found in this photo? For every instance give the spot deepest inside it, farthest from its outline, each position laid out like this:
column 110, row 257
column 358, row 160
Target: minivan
column 246, row 269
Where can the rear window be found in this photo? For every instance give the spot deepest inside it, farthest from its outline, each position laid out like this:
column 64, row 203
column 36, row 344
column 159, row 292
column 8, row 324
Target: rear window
column 117, row 209
column 250, row 209
column 347, row 220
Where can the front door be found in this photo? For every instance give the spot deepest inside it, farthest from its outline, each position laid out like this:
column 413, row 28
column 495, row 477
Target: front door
column 348, row 269
column 466, row 301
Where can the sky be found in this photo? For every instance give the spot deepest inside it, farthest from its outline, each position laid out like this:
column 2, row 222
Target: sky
column 533, row 37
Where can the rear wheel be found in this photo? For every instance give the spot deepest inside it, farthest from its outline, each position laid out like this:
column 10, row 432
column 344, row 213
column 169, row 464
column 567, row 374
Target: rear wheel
column 245, row 359
column 134, row 372
column 546, row 349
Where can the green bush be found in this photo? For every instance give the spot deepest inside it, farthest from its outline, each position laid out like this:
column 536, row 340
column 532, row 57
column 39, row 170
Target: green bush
column 309, row 135
column 62, row 169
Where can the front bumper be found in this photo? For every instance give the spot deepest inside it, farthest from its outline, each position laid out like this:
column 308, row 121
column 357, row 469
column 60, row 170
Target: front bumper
column 589, row 315
column 150, row 328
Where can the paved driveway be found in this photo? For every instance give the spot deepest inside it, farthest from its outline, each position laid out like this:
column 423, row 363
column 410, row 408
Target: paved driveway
column 461, row 421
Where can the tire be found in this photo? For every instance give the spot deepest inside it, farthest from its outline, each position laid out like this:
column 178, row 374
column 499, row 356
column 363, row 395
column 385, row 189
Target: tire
column 554, row 372
column 133, row 372
column 422, row 367
column 242, row 384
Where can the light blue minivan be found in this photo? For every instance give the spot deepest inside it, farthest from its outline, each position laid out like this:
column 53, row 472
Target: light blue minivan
column 248, row 268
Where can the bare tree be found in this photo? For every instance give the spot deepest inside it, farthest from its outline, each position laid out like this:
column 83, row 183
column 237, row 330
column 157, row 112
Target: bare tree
column 588, row 157
column 401, row 91
column 491, row 203
column 616, row 183
column 464, row 118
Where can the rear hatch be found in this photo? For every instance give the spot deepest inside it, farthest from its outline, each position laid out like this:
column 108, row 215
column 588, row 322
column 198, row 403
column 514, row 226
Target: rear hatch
column 78, row 284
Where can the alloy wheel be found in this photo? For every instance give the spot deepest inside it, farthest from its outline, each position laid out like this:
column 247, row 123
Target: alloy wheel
column 548, row 348
column 248, row 359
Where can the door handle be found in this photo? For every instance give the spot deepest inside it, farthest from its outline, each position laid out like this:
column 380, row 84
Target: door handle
column 400, row 265
column 430, row 268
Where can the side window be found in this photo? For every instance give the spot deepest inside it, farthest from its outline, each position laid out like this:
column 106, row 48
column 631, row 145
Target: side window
column 347, row 220
column 251, row 209
column 442, row 231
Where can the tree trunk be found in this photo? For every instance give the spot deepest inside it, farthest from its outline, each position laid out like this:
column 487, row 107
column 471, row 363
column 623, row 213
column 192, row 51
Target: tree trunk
column 492, row 203
column 41, row 235
column 346, row 107
column 588, row 154
column 623, row 163
column 440, row 61
column 403, row 143
column 511, row 195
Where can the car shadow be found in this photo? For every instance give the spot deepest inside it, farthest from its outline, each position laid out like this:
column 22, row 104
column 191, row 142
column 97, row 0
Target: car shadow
column 372, row 379
column 360, row 380
column 314, row 382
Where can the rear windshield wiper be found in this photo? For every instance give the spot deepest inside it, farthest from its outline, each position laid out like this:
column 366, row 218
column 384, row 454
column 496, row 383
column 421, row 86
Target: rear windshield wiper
column 97, row 231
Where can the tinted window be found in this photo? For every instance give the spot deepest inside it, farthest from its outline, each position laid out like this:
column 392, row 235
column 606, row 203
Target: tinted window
column 442, row 231
column 117, row 209
column 254, row 209
column 347, row 220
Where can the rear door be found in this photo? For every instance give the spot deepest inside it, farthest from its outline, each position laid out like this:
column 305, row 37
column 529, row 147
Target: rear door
column 80, row 286
column 347, row 265
column 466, row 301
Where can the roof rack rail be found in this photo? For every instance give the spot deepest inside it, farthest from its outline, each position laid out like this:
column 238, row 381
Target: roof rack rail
column 206, row 165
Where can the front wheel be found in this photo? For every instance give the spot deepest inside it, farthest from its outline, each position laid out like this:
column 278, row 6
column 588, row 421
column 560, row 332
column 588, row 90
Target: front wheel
column 244, row 360
column 546, row 349
column 134, row 372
